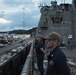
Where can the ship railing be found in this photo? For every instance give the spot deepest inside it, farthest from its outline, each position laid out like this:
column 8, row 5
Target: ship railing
column 12, row 63
column 28, row 65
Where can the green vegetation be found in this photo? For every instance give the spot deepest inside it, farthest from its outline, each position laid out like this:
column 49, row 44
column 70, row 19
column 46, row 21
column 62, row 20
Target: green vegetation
column 30, row 31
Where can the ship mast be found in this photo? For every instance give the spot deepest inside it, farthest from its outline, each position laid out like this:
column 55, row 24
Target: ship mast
column 64, row 1
column 23, row 23
column 23, row 20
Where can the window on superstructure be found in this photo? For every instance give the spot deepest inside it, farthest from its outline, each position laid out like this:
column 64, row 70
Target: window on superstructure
column 66, row 7
column 56, row 19
column 45, row 21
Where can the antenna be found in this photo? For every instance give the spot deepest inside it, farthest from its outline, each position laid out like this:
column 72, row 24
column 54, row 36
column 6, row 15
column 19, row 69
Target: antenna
column 64, row 1
column 23, row 20
column 45, row 4
column 40, row 5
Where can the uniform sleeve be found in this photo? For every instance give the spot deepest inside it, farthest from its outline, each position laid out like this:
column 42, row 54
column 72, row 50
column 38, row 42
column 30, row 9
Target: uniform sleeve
column 61, row 64
column 41, row 45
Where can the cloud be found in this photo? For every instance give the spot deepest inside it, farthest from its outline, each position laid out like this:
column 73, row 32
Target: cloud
column 11, row 13
column 30, row 19
column 4, row 21
column 17, row 2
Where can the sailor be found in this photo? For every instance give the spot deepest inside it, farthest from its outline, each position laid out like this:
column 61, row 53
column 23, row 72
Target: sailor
column 57, row 64
column 39, row 47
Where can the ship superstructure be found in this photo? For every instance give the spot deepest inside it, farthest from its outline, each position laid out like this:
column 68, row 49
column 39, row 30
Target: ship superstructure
column 59, row 18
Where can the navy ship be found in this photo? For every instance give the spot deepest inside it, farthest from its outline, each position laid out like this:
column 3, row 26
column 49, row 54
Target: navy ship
column 59, row 18
column 54, row 18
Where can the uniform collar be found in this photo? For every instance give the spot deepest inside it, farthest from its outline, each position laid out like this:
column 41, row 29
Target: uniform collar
column 54, row 50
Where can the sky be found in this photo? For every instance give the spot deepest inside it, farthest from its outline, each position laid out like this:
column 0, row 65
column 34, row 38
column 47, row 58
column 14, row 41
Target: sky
column 21, row 14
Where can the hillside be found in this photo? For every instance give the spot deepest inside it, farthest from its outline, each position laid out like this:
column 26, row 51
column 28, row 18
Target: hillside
column 30, row 31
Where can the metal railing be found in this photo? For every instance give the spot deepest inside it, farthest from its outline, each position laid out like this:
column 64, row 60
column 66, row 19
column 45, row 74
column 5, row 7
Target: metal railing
column 27, row 69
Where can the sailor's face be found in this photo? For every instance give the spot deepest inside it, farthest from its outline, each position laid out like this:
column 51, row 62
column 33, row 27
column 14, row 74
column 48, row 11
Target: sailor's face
column 38, row 38
column 49, row 43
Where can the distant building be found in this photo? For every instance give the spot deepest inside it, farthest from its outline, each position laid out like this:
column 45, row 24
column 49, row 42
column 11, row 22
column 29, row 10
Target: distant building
column 3, row 33
column 22, row 36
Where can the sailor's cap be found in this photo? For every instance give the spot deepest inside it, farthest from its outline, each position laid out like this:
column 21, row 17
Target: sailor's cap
column 39, row 35
column 53, row 36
